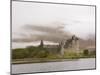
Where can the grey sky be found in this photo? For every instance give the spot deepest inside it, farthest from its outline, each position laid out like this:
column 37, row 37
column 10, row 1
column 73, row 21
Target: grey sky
column 51, row 22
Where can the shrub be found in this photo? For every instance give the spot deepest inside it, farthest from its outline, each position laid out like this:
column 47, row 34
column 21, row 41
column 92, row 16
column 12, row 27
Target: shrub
column 86, row 52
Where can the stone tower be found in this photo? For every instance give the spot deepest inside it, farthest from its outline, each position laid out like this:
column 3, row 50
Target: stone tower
column 41, row 44
column 75, row 43
column 62, row 48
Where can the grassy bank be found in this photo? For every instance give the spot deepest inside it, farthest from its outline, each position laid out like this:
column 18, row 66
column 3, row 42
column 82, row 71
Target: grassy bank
column 31, row 60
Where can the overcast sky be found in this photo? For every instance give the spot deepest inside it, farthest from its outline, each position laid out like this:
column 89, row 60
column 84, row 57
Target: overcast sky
column 32, row 22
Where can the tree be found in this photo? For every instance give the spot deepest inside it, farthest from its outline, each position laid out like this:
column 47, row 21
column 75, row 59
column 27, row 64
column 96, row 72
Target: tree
column 86, row 52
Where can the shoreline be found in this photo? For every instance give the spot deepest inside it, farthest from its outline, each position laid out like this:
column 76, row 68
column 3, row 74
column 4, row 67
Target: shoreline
column 29, row 61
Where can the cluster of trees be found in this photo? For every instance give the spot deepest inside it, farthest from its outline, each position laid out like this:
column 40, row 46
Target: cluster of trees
column 29, row 52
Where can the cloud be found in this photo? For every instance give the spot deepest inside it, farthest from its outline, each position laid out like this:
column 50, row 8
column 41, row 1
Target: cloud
column 49, row 32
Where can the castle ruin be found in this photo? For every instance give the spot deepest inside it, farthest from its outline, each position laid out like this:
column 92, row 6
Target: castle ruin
column 70, row 44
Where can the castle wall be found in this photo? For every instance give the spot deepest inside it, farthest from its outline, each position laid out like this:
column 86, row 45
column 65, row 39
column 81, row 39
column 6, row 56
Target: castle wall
column 72, row 44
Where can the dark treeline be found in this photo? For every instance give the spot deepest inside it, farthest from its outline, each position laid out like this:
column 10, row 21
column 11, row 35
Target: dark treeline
column 29, row 52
